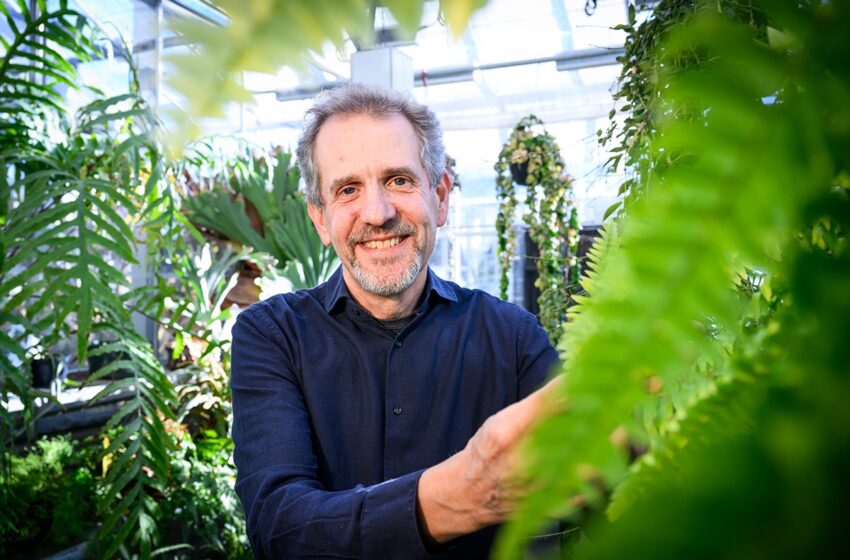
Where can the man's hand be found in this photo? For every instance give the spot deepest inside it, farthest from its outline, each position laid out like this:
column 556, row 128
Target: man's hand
column 476, row 487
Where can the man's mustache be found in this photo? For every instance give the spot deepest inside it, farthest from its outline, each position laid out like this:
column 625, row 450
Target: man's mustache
column 397, row 229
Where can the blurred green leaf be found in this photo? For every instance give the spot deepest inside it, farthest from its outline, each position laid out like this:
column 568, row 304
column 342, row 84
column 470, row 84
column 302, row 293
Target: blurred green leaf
column 408, row 14
column 733, row 393
column 458, row 12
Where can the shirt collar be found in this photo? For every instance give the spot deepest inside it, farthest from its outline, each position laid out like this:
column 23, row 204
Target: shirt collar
column 338, row 291
column 437, row 286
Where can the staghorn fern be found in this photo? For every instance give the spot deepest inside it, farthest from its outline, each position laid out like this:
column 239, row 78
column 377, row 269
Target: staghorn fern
column 287, row 235
column 310, row 262
column 658, row 341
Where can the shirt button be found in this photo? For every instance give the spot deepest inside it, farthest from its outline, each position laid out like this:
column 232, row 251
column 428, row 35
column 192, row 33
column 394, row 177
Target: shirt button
column 397, row 344
column 397, row 410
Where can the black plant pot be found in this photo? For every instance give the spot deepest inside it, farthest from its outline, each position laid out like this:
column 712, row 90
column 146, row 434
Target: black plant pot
column 43, row 370
column 519, row 172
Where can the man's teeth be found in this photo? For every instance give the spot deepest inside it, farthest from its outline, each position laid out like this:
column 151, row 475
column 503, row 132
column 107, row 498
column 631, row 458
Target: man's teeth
column 386, row 243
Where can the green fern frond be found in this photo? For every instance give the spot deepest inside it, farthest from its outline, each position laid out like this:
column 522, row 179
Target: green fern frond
column 34, row 64
column 765, row 491
column 721, row 415
column 218, row 211
column 741, row 169
column 138, row 464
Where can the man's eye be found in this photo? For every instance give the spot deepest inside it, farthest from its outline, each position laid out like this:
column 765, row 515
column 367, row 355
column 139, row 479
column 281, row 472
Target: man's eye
column 347, row 191
column 400, row 181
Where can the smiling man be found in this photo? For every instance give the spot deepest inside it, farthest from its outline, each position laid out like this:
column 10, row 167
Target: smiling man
column 378, row 414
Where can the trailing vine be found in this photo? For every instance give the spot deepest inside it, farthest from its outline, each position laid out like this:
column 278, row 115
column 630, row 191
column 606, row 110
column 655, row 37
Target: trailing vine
column 639, row 86
column 531, row 157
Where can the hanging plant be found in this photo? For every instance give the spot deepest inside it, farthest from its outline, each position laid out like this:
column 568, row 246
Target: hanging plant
column 632, row 123
column 531, row 157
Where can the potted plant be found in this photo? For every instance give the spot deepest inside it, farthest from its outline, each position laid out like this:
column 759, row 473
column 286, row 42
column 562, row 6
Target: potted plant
column 42, row 364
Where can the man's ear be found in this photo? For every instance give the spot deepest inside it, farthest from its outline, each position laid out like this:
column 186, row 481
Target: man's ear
column 317, row 215
column 442, row 190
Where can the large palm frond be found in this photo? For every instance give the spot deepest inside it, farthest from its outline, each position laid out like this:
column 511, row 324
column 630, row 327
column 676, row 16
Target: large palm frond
column 35, row 70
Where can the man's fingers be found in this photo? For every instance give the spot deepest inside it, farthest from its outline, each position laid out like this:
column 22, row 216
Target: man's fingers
column 546, row 400
column 508, row 426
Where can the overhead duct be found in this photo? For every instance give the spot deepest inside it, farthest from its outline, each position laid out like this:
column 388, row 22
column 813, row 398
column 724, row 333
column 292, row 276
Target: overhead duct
column 387, row 67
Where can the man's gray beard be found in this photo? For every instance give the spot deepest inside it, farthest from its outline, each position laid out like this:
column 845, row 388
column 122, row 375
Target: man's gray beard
column 374, row 284
column 385, row 287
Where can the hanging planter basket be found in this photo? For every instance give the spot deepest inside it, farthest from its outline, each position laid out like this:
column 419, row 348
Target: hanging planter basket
column 519, row 172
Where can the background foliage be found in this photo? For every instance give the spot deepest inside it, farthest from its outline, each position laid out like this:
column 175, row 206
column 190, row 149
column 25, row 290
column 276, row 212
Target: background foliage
column 77, row 191
column 202, row 509
column 712, row 337
column 253, row 199
column 54, row 489
column 713, row 331
column 646, row 58
column 84, row 197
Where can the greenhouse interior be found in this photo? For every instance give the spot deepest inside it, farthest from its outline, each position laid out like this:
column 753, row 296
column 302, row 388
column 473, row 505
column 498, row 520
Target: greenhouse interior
column 424, row 278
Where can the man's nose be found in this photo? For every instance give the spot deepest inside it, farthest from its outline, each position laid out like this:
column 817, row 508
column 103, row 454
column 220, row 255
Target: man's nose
column 378, row 208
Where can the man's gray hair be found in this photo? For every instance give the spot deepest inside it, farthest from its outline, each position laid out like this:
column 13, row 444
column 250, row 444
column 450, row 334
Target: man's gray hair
column 361, row 99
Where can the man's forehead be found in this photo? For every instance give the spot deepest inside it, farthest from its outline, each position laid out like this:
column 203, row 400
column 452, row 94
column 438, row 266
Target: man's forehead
column 339, row 140
column 341, row 120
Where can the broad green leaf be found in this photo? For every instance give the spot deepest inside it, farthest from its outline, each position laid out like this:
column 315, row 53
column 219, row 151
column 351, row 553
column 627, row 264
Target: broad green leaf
column 128, row 454
column 126, row 409
column 51, row 57
column 115, row 541
column 120, row 508
column 25, row 226
column 179, row 345
column 126, row 433
column 107, row 118
column 42, row 70
column 114, row 387
column 99, row 107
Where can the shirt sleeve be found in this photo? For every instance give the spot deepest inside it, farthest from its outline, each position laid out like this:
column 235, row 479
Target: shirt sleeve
column 537, row 359
column 289, row 514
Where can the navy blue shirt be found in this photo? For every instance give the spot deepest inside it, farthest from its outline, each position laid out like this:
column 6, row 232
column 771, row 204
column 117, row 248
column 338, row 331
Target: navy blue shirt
column 335, row 417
